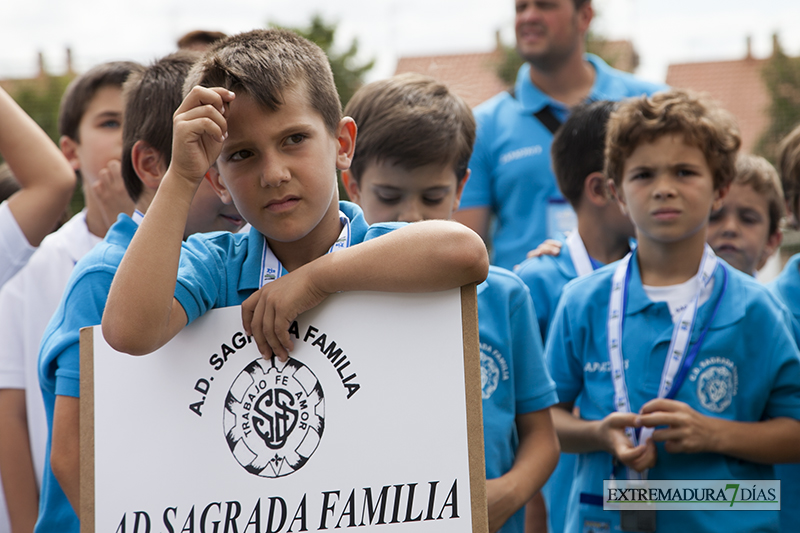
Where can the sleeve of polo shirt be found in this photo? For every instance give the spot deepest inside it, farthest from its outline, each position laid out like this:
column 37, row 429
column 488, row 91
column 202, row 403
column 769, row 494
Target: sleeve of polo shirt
column 202, row 274
column 478, row 189
column 561, row 355
column 534, row 389
column 15, row 250
column 784, row 398
column 83, row 307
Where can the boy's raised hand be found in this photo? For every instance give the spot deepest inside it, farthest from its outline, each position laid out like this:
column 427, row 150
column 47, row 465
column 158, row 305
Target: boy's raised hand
column 638, row 458
column 687, row 430
column 199, row 131
column 109, row 188
column 269, row 312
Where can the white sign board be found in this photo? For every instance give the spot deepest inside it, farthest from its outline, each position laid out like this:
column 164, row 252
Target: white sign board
column 374, row 422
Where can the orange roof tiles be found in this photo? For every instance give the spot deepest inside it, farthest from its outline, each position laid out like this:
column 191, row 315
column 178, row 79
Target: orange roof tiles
column 471, row 76
column 737, row 85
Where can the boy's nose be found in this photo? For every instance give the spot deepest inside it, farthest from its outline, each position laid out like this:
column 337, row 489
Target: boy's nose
column 410, row 212
column 730, row 227
column 274, row 175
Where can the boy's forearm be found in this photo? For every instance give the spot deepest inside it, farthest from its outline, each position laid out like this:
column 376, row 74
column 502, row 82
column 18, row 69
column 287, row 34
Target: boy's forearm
column 769, row 442
column 16, row 462
column 139, row 316
column 421, row 257
column 537, row 454
column 46, row 177
column 576, row 435
column 65, row 448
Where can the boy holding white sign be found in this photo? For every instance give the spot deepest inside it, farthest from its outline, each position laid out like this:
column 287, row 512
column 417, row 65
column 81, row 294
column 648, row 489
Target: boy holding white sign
column 670, row 337
column 410, row 165
column 278, row 139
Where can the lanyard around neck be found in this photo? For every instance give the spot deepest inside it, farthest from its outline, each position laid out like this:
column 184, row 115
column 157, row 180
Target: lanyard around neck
column 580, row 257
column 678, row 361
column 271, row 268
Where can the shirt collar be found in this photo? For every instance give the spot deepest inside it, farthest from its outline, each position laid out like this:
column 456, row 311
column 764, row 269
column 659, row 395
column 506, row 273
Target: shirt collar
column 533, row 99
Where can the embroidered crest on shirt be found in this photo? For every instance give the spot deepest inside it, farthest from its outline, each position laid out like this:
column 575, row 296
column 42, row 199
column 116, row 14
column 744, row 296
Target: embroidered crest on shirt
column 494, row 369
column 717, row 383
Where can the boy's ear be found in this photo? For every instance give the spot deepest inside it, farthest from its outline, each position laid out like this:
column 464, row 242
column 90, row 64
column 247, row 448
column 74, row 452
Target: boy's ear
column 773, row 242
column 218, row 185
column 148, row 164
column 460, row 190
column 596, row 190
column 719, row 197
column 346, row 138
column 351, row 186
column 70, row 150
column 618, row 196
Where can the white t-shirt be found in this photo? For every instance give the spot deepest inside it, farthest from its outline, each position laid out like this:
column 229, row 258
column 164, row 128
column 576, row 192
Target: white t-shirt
column 27, row 302
column 15, row 250
column 678, row 296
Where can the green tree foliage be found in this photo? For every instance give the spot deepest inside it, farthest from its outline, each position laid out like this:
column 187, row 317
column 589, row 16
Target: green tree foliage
column 348, row 73
column 40, row 98
column 781, row 74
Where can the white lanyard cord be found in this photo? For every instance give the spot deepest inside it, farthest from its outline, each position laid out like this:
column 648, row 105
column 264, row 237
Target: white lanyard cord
column 271, row 268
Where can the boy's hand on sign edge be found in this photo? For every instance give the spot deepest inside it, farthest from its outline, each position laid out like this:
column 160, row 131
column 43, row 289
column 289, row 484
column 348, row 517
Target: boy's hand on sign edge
column 269, row 312
column 500, row 499
column 687, row 430
column 199, row 129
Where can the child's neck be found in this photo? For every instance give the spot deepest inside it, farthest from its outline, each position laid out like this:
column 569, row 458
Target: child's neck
column 295, row 254
column 601, row 244
column 662, row 264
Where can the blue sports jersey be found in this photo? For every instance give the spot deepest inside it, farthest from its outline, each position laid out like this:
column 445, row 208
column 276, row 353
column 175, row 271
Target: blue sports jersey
column 726, row 380
column 82, row 305
column 787, row 288
column 510, row 166
column 222, row 269
column 514, row 378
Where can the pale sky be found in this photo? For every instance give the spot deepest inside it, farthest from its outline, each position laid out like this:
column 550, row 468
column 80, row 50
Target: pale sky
column 103, row 30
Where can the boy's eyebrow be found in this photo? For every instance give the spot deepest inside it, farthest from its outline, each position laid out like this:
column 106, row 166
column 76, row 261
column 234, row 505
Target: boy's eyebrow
column 108, row 114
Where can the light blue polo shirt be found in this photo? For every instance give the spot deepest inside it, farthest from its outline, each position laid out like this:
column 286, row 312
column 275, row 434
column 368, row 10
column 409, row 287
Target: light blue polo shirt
column 546, row 276
column 748, row 353
column 510, row 165
column 222, row 269
column 82, row 305
column 787, row 288
column 514, row 378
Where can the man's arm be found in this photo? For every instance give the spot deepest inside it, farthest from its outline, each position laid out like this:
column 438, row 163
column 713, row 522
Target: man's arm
column 65, row 448
column 476, row 219
column 426, row 256
column 769, row 441
column 16, row 463
column 536, row 458
column 46, row 177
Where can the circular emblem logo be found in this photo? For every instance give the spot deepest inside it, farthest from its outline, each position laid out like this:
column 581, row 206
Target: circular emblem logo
column 274, row 417
column 490, row 376
column 715, row 388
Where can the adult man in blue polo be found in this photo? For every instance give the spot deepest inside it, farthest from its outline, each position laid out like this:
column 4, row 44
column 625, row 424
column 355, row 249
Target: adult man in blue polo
column 511, row 178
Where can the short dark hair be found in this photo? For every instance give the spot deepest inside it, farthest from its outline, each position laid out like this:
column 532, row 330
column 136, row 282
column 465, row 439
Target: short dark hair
column 789, row 168
column 199, row 37
column 411, row 120
column 151, row 98
column 81, row 91
column 701, row 122
column 264, row 64
column 761, row 176
column 578, row 147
